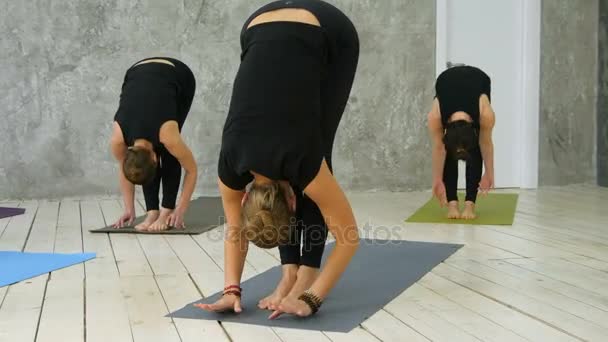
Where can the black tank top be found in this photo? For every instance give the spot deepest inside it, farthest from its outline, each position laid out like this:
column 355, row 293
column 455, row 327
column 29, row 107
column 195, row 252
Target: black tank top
column 274, row 121
column 458, row 90
column 148, row 99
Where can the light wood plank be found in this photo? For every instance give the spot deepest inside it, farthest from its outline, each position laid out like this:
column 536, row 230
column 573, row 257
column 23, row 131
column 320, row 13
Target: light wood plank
column 104, row 265
column 107, row 317
column 515, row 321
column 4, row 221
column 18, row 228
column 388, row 328
column 62, row 315
column 589, row 298
column 465, row 319
column 21, row 308
column 177, row 290
column 541, row 305
column 68, row 238
column 581, row 276
column 159, row 254
column 426, row 322
column 39, row 237
column 147, row 310
column 191, row 254
column 128, row 253
column 595, row 264
column 42, row 234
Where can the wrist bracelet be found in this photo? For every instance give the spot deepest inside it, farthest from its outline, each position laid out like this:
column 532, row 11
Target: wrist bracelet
column 233, row 292
column 235, row 287
column 312, row 300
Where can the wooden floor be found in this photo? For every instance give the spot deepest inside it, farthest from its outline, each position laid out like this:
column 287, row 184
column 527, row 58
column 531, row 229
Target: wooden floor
column 543, row 279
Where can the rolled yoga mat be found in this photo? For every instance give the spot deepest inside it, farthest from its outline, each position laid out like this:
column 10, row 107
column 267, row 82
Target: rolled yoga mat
column 8, row 212
column 491, row 209
column 379, row 272
column 204, row 214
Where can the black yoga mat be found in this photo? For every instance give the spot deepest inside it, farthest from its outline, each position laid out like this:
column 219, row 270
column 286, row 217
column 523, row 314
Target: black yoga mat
column 204, row 213
column 380, row 271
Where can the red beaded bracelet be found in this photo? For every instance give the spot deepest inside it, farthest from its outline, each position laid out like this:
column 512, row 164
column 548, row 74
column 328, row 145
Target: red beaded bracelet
column 236, row 293
column 233, row 287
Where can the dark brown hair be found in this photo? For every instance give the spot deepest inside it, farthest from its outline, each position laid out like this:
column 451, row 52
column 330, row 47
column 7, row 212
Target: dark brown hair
column 460, row 138
column 139, row 166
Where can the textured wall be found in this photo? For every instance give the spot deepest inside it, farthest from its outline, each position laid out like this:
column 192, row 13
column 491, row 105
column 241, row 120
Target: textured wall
column 568, row 91
column 65, row 61
column 602, row 108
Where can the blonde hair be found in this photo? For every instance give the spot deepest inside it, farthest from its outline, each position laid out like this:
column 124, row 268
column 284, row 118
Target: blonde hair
column 266, row 216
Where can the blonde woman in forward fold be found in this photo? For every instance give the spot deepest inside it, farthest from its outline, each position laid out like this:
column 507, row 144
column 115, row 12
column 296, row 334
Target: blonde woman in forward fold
column 299, row 59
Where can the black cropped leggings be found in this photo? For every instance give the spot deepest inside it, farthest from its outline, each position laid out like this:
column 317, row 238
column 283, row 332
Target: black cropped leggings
column 473, row 175
column 343, row 43
column 169, row 170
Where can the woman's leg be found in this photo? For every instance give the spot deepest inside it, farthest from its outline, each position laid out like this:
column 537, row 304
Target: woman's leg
column 474, row 170
column 335, row 91
column 170, row 174
column 450, row 181
column 151, row 198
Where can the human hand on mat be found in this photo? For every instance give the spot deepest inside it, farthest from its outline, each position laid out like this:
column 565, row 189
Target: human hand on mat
column 126, row 219
column 176, row 219
column 439, row 192
column 291, row 305
column 226, row 303
column 486, row 184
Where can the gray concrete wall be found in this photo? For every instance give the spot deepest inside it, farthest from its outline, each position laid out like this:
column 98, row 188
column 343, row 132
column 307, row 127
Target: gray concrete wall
column 64, row 62
column 568, row 91
column 602, row 103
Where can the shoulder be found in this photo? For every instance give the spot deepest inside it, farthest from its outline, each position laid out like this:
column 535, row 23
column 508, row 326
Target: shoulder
column 169, row 133
column 117, row 135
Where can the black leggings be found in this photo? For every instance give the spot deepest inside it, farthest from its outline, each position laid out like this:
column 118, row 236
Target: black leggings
column 473, row 176
column 169, row 170
column 343, row 43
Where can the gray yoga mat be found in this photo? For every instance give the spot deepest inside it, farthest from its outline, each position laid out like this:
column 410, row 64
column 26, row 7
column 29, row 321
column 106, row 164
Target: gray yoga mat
column 380, row 271
column 204, row 213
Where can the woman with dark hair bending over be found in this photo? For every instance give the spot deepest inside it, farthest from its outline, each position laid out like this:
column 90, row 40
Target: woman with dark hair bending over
column 297, row 68
column 156, row 96
column 460, row 125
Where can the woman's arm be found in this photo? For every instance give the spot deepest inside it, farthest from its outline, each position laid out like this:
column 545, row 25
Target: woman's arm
column 119, row 150
column 435, row 129
column 172, row 140
column 235, row 245
column 331, row 200
column 487, row 121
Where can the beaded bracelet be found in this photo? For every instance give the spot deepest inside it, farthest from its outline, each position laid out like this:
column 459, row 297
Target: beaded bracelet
column 312, row 300
column 236, row 293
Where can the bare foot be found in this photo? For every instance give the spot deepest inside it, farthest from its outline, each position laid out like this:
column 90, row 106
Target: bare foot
column 274, row 299
column 453, row 212
column 469, row 211
column 151, row 216
column 306, row 276
column 161, row 223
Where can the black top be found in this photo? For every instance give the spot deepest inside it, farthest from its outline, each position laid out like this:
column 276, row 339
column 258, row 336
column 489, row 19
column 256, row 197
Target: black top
column 459, row 88
column 148, row 100
column 274, row 122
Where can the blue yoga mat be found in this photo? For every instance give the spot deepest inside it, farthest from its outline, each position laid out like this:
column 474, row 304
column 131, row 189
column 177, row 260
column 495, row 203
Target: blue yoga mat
column 18, row 266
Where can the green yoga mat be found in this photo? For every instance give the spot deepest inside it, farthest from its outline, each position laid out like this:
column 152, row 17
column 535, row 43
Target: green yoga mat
column 491, row 209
